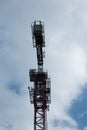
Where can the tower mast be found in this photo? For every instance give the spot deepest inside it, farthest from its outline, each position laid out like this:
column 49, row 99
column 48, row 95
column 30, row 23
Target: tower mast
column 40, row 92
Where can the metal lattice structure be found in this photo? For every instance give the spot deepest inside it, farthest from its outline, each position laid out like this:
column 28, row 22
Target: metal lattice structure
column 40, row 92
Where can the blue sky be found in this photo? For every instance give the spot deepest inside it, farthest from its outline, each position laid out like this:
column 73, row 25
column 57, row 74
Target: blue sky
column 66, row 61
column 79, row 110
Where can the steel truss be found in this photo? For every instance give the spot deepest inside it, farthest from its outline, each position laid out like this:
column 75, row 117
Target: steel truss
column 40, row 92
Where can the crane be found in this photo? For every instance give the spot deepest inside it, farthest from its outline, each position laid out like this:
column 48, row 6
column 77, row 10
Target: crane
column 40, row 92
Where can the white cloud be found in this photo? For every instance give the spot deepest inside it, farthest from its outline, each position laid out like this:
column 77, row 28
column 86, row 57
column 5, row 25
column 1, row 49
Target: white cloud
column 85, row 128
column 81, row 115
column 68, row 73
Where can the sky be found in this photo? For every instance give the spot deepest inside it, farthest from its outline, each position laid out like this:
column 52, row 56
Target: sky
column 65, row 60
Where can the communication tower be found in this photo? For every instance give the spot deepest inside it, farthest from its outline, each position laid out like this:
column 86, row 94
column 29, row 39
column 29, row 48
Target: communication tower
column 40, row 93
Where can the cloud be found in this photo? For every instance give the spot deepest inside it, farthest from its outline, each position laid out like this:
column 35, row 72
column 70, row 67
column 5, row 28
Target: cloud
column 15, row 87
column 83, row 114
column 85, row 128
column 6, row 125
column 63, row 123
